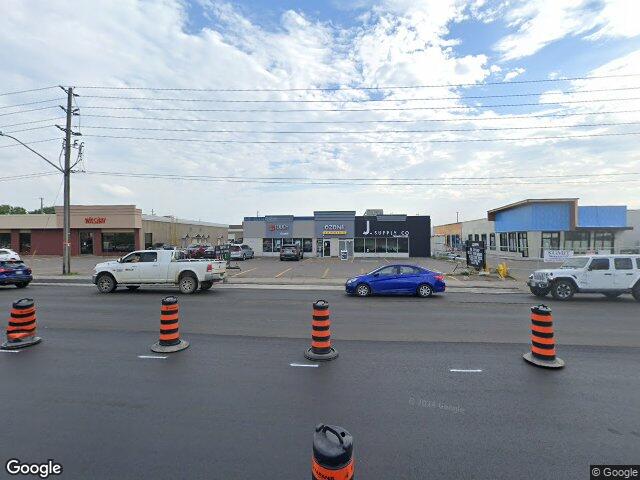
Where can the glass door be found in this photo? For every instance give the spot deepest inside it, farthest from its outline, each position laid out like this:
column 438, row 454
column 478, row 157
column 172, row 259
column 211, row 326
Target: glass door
column 326, row 248
column 345, row 248
column 86, row 243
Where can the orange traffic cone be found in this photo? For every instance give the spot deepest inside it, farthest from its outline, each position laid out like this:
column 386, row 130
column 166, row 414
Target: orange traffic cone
column 543, row 347
column 21, row 331
column 170, row 340
column 321, row 348
column 332, row 453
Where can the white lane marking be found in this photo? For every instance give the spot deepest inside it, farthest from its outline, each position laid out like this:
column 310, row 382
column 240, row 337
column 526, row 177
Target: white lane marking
column 465, row 371
column 244, row 271
column 303, row 365
column 56, row 284
column 9, row 351
column 150, row 356
column 283, row 272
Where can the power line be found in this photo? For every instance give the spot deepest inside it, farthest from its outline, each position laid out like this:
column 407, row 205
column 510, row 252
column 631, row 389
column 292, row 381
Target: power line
column 463, row 119
column 388, row 142
column 388, row 179
column 30, row 143
column 29, row 110
column 403, row 109
column 26, row 176
column 30, row 103
column 33, row 121
column 339, row 88
column 200, row 178
column 28, row 91
column 29, row 129
column 367, row 100
column 332, row 132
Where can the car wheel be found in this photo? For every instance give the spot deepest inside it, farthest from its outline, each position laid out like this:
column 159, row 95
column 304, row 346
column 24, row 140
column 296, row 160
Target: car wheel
column 206, row 285
column 188, row 284
column 363, row 290
column 636, row 292
column 133, row 288
column 244, row 257
column 563, row 290
column 106, row 283
column 612, row 295
column 425, row 290
column 540, row 292
column 22, row 284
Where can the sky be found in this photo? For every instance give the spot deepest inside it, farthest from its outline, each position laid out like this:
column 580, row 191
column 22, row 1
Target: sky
column 457, row 102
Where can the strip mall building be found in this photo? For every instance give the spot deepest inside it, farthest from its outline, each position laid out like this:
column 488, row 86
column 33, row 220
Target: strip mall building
column 104, row 230
column 328, row 233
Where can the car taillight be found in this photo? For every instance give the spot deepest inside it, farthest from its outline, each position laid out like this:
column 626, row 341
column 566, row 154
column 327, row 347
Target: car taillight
column 209, row 268
column 440, row 278
column 4, row 270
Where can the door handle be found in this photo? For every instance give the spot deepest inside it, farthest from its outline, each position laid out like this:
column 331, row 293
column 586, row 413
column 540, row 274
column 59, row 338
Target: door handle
column 608, row 274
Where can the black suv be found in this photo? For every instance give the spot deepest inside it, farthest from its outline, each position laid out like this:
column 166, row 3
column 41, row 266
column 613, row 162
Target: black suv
column 290, row 252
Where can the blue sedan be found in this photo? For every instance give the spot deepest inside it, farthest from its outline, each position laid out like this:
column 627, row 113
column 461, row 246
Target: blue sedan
column 15, row 273
column 397, row 280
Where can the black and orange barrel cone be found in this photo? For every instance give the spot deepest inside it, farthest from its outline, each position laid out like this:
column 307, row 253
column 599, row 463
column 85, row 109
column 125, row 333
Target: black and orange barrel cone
column 543, row 346
column 170, row 340
column 21, row 331
column 321, row 348
column 332, row 453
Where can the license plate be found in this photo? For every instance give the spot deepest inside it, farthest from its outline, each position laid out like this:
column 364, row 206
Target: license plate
column 20, row 272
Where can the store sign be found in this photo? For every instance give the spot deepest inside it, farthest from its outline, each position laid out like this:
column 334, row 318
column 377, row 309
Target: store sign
column 334, row 229
column 95, row 220
column 557, row 255
column 476, row 255
column 278, row 228
column 371, row 227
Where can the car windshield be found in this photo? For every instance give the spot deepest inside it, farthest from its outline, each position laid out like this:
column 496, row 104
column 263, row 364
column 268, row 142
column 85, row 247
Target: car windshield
column 235, row 249
column 576, row 262
column 7, row 264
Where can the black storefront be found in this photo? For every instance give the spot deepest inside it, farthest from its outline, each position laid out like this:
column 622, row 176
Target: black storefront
column 392, row 236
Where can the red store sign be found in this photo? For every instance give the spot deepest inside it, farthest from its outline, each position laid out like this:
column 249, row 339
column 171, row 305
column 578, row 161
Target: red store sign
column 95, row 220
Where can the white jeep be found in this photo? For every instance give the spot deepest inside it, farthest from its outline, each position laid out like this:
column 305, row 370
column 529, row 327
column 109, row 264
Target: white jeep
column 611, row 275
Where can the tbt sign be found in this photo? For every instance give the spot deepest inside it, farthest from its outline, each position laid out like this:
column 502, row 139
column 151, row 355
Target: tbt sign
column 476, row 255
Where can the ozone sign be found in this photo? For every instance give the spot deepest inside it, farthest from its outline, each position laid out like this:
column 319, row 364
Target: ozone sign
column 334, row 229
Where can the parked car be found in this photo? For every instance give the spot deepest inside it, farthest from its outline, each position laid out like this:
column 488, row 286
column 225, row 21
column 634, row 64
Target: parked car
column 197, row 250
column 8, row 254
column 290, row 252
column 146, row 267
column 397, row 280
column 14, row 272
column 241, row 252
column 611, row 275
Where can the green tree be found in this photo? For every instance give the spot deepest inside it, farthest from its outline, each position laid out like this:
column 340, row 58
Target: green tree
column 44, row 210
column 5, row 209
column 18, row 211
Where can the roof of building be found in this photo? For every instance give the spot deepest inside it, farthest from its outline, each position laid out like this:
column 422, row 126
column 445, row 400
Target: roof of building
column 170, row 219
column 491, row 214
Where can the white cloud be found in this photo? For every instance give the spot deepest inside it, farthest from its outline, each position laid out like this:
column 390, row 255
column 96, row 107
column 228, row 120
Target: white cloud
column 510, row 75
column 398, row 43
column 541, row 22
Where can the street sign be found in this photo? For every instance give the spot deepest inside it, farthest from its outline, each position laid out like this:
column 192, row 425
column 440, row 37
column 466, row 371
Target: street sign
column 476, row 255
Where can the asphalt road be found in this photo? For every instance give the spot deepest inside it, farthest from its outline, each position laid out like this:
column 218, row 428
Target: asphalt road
column 231, row 406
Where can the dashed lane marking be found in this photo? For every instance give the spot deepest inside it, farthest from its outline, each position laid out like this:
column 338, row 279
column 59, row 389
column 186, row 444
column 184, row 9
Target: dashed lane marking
column 151, row 356
column 303, row 365
column 326, row 272
column 456, row 370
column 9, row 351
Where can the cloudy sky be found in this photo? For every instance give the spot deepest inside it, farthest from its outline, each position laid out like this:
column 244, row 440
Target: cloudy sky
column 430, row 107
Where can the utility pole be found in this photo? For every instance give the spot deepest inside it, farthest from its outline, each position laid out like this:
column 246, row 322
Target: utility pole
column 457, row 220
column 41, row 205
column 66, row 236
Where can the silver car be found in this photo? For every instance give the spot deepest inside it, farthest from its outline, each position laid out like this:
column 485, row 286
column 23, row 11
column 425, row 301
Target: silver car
column 241, row 252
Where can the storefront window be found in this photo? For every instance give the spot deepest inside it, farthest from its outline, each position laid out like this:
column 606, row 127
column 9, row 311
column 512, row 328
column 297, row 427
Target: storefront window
column 307, row 245
column 577, row 241
column 381, row 245
column 403, row 245
column 392, row 245
column 603, row 242
column 118, row 242
column 148, row 241
column 5, row 240
column 492, row 241
column 550, row 241
column 358, row 245
column 513, row 242
column 267, row 245
column 369, row 245
column 25, row 242
column 523, row 244
column 277, row 243
column 504, row 245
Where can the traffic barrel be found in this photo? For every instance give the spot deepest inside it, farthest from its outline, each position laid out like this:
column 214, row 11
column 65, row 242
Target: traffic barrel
column 170, row 340
column 332, row 453
column 21, row 331
column 543, row 347
column 321, row 348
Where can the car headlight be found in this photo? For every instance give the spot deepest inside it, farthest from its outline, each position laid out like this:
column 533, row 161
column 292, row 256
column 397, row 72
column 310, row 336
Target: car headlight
column 531, row 277
column 351, row 280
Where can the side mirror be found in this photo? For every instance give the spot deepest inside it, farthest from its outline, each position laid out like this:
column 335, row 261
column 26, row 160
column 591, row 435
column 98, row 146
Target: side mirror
column 589, row 268
column 376, row 274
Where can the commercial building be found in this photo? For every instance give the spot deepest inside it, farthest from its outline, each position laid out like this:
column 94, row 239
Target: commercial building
column 103, row 230
column 329, row 233
column 451, row 234
column 529, row 227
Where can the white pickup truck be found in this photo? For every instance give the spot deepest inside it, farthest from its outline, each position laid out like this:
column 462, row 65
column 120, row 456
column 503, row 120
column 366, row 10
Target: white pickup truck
column 146, row 267
column 611, row 275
